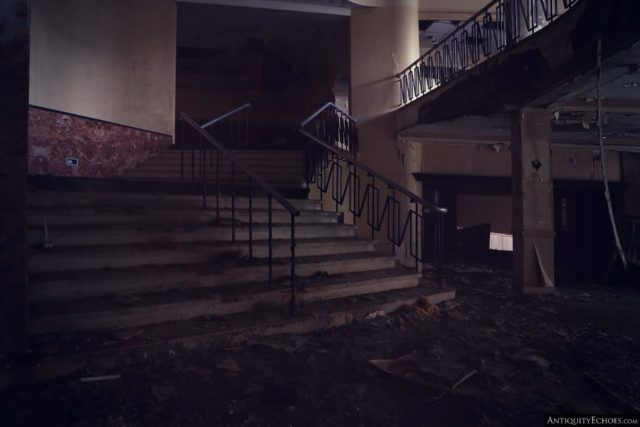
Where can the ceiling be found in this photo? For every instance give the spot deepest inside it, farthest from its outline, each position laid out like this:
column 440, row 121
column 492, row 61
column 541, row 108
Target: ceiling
column 429, row 9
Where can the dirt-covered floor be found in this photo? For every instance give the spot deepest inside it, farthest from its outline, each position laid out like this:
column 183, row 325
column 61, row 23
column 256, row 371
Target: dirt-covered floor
column 491, row 357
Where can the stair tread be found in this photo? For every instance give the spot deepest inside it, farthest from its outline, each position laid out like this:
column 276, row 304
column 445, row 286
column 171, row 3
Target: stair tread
column 231, row 264
column 72, row 350
column 162, row 227
column 122, row 186
column 192, row 295
column 121, row 215
column 79, row 251
column 63, row 196
column 189, row 209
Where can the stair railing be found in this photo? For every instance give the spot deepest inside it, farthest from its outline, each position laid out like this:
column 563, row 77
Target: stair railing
column 330, row 150
column 196, row 136
column 232, row 127
column 497, row 26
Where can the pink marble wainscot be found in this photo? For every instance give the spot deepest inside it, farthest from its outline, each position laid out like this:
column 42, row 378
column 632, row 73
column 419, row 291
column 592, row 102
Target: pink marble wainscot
column 103, row 149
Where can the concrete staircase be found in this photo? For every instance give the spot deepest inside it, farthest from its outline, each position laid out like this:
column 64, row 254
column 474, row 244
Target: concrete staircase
column 126, row 260
column 281, row 168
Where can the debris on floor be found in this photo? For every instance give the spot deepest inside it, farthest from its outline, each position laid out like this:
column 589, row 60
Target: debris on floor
column 427, row 371
column 490, row 357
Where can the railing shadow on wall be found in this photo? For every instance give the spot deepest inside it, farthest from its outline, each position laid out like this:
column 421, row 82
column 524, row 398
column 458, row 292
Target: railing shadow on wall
column 497, row 26
column 388, row 208
column 211, row 153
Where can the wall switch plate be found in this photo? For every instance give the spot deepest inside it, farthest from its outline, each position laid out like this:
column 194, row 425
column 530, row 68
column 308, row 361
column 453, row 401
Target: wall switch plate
column 71, row 161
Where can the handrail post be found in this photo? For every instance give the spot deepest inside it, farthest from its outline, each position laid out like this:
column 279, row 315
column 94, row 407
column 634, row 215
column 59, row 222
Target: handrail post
column 292, row 308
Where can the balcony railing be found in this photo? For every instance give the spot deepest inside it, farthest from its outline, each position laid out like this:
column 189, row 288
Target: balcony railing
column 497, row 26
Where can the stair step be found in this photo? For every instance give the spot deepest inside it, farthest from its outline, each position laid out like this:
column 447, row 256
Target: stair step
column 96, row 283
column 240, row 154
column 118, row 215
column 276, row 181
column 72, row 353
column 273, row 173
column 68, row 199
column 149, row 234
column 171, row 306
column 74, row 259
column 274, row 165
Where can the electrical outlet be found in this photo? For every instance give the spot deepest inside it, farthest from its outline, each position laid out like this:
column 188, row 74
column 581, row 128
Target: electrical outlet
column 71, row 161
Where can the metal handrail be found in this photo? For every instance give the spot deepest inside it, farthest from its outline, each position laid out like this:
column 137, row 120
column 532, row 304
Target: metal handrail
column 412, row 196
column 321, row 109
column 324, row 168
column 491, row 30
column 225, row 115
column 229, row 154
column 204, row 137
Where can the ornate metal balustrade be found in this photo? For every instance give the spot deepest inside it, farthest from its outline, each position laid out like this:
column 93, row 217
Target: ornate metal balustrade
column 497, row 26
column 331, row 165
column 334, row 126
column 212, row 152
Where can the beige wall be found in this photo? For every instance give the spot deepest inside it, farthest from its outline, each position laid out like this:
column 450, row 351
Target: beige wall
column 111, row 60
column 383, row 42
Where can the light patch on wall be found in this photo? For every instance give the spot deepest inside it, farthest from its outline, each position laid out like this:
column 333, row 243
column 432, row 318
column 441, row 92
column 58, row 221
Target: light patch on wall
column 501, row 242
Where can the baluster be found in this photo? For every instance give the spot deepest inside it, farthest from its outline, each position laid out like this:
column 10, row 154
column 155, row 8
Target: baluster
column 218, row 154
column 394, row 221
column 306, row 166
column 246, row 125
column 182, row 142
column 336, row 179
column 417, row 235
column 440, row 249
column 373, row 213
column 204, row 174
column 250, row 219
column 270, row 242
column 193, row 167
column 233, row 202
column 293, row 265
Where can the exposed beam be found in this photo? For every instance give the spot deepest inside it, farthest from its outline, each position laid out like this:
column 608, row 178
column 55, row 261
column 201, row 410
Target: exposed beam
column 624, row 106
column 279, row 5
column 595, row 147
column 491, row 131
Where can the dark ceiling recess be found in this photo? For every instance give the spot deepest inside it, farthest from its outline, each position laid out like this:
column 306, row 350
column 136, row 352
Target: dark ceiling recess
column 259, row 50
